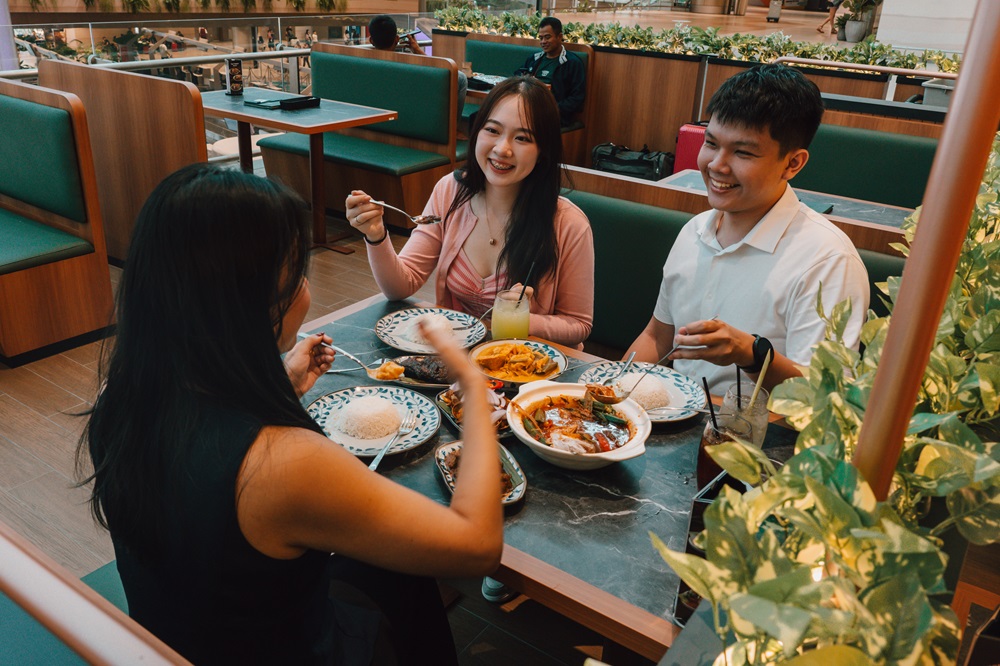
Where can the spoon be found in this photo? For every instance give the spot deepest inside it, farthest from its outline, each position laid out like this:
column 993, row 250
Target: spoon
column 606, row 391
column 416, row 219
column 618, row 397
column 369, row 371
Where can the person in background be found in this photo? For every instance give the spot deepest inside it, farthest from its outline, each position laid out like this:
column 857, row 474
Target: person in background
column 223, row 497
column 833, row 5
column 560, row 69
column 384, row 36
column 742, row 279
column 501, row 213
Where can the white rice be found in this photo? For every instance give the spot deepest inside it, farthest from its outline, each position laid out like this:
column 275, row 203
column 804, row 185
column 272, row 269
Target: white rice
column 650, row 393
column 369, row 417
column 412, row 331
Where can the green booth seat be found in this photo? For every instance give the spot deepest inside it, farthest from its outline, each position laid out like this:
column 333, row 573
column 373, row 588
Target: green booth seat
column 26, row 244
column 25, row 642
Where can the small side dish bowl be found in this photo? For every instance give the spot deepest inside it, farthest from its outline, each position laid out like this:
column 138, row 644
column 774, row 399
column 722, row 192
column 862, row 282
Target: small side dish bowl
column 530, row 394
column 510, row 383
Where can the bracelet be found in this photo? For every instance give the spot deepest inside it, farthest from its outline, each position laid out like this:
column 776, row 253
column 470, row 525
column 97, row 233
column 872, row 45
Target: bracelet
column 380, row 240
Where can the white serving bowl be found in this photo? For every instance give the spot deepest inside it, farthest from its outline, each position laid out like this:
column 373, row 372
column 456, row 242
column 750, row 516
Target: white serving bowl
column 533, row 392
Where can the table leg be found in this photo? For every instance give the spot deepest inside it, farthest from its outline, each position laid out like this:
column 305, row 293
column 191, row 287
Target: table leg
column 245, row 146
column 318, row 189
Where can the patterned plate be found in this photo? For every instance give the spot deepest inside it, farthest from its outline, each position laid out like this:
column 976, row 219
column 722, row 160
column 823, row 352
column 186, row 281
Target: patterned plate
column 518, row 481
column 399, row 329
column 684, row 391
column 503, row 428
column 325, row 410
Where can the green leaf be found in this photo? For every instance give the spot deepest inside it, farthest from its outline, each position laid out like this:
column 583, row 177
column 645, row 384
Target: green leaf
column 955, row 431
column 903, row 612
column 976, row 513
column 984, row 335
column 794, row 400
column 706, row 579
column 786, row 623
column 839, row 318
column 925, row 421
column 989, row 386
column 841, row 655
column 943, row 468
column 741, row 460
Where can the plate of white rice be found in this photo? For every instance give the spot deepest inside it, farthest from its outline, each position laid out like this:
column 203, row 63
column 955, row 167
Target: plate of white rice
column 363, row 419
column 399, row 329
column 663, row 387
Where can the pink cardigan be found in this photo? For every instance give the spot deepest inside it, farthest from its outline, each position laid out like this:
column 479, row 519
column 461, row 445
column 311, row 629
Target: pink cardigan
column 562, row 309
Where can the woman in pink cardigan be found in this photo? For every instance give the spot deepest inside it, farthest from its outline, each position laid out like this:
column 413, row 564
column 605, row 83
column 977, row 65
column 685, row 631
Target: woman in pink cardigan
column 501, row 213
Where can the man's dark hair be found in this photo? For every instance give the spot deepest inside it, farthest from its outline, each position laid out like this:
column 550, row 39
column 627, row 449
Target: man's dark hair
column 382, row 32
column 552, row 21
column 775, row 97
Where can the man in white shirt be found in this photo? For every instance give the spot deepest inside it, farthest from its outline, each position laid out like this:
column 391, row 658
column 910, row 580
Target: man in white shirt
column 741, row 280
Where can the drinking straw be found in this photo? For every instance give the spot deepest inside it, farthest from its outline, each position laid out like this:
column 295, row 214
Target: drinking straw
column 711, row 407
column 739, row 393
column 531, row 269
column 760, row 379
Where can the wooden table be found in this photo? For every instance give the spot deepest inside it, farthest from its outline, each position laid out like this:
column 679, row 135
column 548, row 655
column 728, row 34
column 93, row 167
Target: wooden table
column 578, row 542
column 328, row 116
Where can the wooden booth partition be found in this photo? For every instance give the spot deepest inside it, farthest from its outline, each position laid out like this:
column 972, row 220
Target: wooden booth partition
column 449, row 44
column 142, row 129
column 828, row 80
column 641, row 98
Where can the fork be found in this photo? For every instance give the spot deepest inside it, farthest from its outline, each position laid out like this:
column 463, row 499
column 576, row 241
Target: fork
column 405, row 427
column 416, row 219
column 466, row 327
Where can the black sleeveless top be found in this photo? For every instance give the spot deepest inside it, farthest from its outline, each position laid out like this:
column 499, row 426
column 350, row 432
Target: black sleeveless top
column 210, row 595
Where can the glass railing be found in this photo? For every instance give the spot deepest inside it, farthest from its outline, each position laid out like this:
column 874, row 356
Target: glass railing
column 275, row 50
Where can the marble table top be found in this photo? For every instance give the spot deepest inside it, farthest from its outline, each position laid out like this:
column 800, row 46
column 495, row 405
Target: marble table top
column 592, row 524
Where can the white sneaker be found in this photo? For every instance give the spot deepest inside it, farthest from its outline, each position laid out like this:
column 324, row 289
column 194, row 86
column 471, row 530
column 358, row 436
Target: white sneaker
column 495, row 591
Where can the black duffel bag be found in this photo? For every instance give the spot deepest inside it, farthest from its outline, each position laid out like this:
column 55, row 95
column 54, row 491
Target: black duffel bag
column 645, row 163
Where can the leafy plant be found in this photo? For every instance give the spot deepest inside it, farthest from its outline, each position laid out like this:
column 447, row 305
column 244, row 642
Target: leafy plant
column 810, row 559
column 135, row 6
column 944, row 453
column 688, row 40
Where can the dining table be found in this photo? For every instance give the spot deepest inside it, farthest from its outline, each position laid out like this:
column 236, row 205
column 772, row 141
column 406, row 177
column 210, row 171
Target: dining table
column 579, row 541
column 328, row 116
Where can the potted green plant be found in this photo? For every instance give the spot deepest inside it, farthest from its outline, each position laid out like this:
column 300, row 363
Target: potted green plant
column 839, row 25
column 807, row 567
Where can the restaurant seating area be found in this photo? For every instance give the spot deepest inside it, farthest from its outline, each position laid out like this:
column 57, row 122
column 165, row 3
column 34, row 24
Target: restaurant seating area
column 54, row 280
column 402, row 159
column 66, row 217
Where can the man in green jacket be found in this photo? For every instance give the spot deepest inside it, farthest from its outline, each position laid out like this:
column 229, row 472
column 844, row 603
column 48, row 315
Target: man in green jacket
column 563, row 70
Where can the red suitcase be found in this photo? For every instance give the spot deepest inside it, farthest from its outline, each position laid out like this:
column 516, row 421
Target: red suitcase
column 689, row 141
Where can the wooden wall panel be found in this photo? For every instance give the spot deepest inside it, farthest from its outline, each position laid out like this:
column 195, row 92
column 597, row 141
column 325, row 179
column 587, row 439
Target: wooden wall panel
column 641, row 99
column 719, row 71
column 884, row 123
column 142, row 128
column 449, row 45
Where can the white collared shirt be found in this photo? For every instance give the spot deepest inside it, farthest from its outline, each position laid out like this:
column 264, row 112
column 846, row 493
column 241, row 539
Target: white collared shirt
column 765, row 284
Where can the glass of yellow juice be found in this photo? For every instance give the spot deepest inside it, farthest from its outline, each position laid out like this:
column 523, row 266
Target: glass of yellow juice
column 510, row 315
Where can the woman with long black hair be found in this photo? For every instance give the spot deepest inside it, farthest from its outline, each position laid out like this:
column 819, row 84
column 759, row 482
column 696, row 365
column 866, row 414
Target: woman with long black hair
column 501, row 214
column 223, row 497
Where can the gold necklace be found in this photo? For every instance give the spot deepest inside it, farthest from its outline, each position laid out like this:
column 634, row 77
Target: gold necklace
column 489, row 227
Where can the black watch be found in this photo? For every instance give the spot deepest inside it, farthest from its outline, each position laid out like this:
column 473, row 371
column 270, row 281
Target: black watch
column 761, row 348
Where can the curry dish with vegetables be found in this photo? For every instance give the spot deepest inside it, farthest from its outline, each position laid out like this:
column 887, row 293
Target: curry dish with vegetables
column 576, row 425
